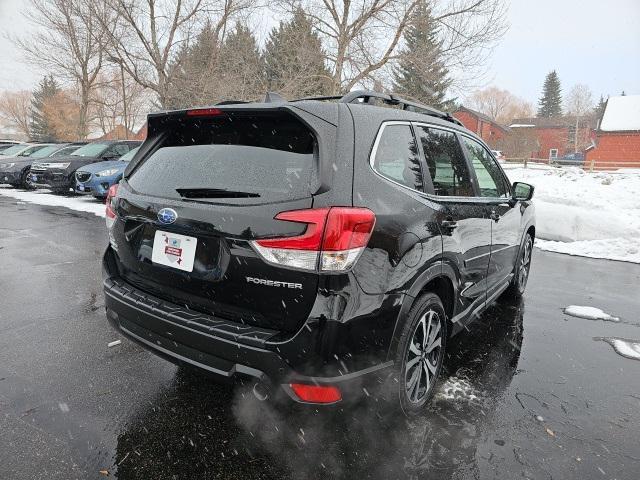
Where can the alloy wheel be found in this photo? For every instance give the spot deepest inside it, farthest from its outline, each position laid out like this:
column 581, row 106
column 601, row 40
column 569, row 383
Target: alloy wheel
column 525, row 264
column 423, row 357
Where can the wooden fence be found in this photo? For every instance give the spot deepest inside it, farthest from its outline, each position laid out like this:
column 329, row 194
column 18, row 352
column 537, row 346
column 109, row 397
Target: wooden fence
column 590, row 165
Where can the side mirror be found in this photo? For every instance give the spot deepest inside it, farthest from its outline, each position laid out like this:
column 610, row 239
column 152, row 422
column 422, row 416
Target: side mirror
column 522, row 192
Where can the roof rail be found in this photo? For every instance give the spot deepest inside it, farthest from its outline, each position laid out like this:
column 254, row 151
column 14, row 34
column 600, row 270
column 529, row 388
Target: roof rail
column 365, row 96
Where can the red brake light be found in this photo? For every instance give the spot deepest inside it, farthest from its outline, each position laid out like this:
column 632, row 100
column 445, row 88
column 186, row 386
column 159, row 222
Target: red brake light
column 335, row 236
column 311, row 239
column 316, row 393
column 111, row 195
column 348, row 228
column 204, row 112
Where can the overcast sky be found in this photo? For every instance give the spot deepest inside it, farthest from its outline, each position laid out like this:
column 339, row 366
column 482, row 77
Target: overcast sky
column 596, row 42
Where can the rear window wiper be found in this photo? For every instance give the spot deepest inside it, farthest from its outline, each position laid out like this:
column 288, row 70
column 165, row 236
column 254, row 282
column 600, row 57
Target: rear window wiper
column 214, row 193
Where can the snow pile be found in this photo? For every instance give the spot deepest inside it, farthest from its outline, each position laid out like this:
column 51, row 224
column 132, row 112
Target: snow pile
column 590, row 313
column 43, row 197
column 622, row 346
column 589, row 214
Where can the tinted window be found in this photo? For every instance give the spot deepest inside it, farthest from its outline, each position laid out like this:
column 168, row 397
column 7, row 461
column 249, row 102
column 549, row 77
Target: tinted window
column 397, row 156
column 117, row 150
column 267, row 158
column 490, row 178
column 129, row 155
column 31, row 150
column 66, row 151
column 13, row 150
column 446, row 163
column 91, row 150
column 45, row 152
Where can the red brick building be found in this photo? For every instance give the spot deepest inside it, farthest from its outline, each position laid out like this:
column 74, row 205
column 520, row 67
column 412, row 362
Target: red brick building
column 118, row 133
column 482, row 125
column 555, row 137
column 142, row 133
column 617, row 142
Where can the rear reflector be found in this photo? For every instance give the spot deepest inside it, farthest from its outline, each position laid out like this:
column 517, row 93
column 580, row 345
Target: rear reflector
column 316, row 393
column 333, row 240
column 204, row 112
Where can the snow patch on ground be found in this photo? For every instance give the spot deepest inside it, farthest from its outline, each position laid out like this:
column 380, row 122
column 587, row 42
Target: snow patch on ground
column 622, row 346
column 590, row 313
column 587, row 214
column 44, row 197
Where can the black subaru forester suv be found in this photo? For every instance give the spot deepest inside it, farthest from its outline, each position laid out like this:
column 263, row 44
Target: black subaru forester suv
column 318, row 246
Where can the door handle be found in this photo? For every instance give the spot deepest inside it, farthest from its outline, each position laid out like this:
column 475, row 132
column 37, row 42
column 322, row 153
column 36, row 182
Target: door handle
column 494, row 216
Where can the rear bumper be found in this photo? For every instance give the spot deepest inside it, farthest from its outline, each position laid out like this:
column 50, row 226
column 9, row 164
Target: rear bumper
column 226, row 349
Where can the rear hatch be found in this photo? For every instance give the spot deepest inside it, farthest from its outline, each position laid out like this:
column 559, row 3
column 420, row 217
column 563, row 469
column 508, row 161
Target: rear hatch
column 204, row 186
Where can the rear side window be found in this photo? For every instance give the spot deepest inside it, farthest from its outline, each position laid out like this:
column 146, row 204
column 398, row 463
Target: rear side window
column 262, row 157
column 446, row 163
column 397, row 156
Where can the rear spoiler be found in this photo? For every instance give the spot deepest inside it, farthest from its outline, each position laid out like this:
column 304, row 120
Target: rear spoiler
column 321, row 118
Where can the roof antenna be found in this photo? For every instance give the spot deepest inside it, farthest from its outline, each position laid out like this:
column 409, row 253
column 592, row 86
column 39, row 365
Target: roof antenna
column 273, row 97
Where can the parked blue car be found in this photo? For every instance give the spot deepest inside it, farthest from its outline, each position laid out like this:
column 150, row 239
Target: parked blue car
column 96, row 178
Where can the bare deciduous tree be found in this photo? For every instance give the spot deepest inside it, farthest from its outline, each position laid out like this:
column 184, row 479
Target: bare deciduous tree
column 62, row 112
column 362, row 37
column 520, row 142
column 65, row 41
column 501, row 105
column 579, row 102
column 114, row 103
column 144, row 37
column 15, row 111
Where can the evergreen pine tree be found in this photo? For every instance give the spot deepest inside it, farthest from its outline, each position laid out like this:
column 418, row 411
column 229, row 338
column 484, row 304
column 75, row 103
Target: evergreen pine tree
column 550, row 104
column 598, row 110
column 238, row 72
column 41, row 130
column 421, row 73
column 191, row 71
column 294, row 60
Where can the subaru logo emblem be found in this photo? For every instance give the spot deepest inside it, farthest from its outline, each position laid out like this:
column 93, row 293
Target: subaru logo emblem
column 167, row 216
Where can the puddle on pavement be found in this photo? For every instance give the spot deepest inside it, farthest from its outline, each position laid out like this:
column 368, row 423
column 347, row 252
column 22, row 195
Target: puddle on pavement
column 622, row 346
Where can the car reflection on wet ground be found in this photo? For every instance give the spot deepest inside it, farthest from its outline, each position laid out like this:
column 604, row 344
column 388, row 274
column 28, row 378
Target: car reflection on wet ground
column 527, row 392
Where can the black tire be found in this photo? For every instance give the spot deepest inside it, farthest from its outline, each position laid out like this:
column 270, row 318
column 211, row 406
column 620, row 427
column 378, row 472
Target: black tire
column 521, row 270
column 24, row 179
column 415, row 387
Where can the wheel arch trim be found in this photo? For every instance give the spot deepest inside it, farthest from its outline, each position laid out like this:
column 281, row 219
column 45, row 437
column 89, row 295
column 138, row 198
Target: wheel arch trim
column 436, row 270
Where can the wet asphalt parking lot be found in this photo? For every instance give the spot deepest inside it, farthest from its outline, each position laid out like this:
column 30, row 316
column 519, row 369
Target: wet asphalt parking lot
column 528, row 392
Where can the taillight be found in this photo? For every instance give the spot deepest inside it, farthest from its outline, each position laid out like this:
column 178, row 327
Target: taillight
column 110, row 204
column 316, row 393
column 333, row 241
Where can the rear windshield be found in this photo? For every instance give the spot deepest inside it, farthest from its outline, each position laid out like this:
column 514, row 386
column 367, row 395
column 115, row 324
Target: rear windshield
column 257, row 157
